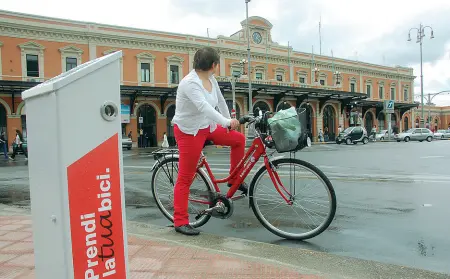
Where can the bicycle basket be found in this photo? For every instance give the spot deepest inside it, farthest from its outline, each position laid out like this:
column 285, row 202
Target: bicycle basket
column 288, row 130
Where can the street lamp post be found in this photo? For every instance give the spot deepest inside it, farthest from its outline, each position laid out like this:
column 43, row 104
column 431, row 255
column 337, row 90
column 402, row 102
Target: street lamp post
column 429, row 102
column 250, row 98
column 420, row 36
column 242, row 63
column 234, row 77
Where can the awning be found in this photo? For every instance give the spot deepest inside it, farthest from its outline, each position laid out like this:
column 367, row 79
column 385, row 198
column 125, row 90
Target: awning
column 402, row 107
column 15, row 88
column 278, row 92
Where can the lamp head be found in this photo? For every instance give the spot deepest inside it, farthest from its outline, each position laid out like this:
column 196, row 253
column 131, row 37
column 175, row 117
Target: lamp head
column 432, row 34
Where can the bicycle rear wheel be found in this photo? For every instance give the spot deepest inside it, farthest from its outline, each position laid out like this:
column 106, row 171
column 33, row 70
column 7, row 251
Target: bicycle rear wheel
column 308, row 215
column 163, row 183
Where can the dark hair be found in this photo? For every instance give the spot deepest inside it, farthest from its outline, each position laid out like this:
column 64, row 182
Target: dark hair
column 205, row 58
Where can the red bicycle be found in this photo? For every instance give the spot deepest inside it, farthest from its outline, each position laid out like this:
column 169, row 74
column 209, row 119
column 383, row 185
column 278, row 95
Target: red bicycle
column 298, row 215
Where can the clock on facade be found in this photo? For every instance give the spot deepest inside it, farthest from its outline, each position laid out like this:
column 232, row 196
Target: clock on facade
column 257, row 38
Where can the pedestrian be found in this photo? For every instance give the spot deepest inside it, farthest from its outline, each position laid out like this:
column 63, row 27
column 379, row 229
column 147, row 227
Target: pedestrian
column 145, row 140
column 18, row 145
column 195, row 122
column 4, row 145
column 340, row 129
column 165, row 143
column 129, row 135
column 320, row 135
column 326, row 135
column 373, row 133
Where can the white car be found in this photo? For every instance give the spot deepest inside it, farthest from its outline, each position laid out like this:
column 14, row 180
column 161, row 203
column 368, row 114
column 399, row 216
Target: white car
column 126, row 142
column 381, row 135
column 442, row 134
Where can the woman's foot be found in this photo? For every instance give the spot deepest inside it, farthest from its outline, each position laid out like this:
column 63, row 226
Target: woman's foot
column 243, row 187
column 187, row 230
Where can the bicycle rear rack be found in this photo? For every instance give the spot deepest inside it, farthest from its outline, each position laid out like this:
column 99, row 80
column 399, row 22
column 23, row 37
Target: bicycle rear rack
column 157, row 154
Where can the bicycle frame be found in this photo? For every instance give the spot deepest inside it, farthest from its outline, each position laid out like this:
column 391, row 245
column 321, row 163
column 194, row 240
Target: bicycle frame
column 252, row 156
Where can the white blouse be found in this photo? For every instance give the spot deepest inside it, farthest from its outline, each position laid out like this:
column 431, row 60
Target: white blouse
column 195, row 106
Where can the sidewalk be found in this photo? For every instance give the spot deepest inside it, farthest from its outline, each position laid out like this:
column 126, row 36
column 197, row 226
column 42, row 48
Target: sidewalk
column 157, row 252
column 147, row 258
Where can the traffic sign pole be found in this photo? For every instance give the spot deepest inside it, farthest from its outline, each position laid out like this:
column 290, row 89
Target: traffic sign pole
column 389, row 125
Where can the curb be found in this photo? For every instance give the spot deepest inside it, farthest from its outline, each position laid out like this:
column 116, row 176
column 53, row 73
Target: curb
column 294, row 258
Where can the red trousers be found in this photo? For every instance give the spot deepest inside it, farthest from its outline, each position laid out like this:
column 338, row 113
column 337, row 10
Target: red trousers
column 190, row 147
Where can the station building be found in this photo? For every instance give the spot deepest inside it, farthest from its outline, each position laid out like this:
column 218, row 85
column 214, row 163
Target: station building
column 334, row 92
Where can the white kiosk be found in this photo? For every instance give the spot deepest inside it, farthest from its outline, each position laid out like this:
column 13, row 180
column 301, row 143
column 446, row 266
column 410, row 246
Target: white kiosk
column 75, row 168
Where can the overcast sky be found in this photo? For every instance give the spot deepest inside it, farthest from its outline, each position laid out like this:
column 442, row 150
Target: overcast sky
column 374, row 32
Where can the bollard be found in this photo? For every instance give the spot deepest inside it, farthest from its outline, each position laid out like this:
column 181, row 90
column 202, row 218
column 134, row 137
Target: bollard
column 76, row 173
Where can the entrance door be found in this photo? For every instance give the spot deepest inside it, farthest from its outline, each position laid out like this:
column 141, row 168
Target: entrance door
column 394, row 126
column 381, row 121
column 309, row 120
column 149, row 126
column 3, row 127
column 406, row 124
column 170, row 134
column 369, row 121
column 329, row 122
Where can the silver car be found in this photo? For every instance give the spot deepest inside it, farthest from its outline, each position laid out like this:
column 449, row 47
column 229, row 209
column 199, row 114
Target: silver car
column 442, row 134
column 417, row 134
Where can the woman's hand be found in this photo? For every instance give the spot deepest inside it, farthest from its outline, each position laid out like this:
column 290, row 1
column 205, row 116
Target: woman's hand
column 234, row 124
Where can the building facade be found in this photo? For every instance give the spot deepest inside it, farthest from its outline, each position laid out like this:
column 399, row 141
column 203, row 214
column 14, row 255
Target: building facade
column 435, row 118
column 333, row 92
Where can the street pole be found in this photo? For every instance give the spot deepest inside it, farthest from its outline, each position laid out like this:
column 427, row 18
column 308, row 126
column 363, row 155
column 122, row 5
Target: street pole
column 389, row 125
column 429, row 109
column 233, row 91
column 250, row 98
column 420, row 36
column 421, row 72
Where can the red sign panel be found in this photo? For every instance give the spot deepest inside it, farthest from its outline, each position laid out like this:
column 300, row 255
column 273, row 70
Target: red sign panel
column 96, row 213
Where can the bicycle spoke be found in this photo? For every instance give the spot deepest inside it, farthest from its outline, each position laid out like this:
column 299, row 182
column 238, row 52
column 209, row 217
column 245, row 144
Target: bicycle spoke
column 163, row 183
column 309, row 212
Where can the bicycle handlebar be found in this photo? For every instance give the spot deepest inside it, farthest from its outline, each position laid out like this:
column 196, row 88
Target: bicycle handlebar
column 246, row 119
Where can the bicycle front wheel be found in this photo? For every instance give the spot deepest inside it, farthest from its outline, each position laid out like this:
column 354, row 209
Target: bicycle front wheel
column 308, row 215
column 163, row 183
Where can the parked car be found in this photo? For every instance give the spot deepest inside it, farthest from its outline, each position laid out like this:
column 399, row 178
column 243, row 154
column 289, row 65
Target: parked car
column 353, row 135
column 442, row 134
column 381, row 135
column 126, row 142
column 416, row 134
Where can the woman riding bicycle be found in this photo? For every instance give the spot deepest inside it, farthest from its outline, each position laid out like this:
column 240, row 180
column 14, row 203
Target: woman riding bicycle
column 195, row 122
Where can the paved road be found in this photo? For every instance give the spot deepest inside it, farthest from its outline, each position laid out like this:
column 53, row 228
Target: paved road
column 392, row 201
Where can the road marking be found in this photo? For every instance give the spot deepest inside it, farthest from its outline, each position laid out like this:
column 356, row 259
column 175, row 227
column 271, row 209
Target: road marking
column 431, row 157
column 427, row 205
column 137, row 167
column 332, row 167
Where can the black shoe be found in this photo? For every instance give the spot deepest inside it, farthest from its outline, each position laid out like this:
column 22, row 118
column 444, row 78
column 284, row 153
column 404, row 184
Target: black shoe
column 187, row 230
column 243, row 187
